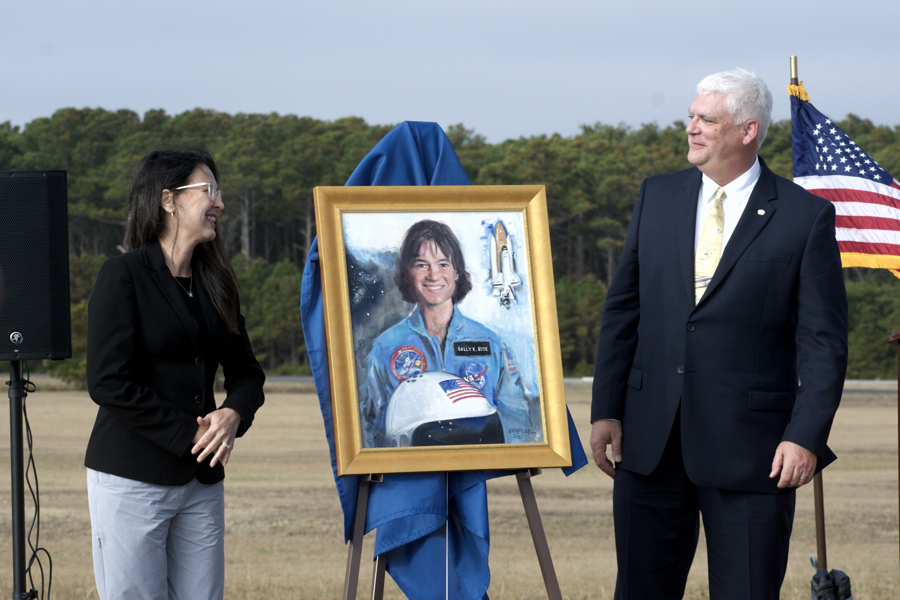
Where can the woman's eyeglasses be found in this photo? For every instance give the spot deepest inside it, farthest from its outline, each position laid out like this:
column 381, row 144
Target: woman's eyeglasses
column 209, row 190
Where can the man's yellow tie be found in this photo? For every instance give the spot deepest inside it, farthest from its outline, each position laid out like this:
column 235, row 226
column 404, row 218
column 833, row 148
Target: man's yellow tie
column 709, row 248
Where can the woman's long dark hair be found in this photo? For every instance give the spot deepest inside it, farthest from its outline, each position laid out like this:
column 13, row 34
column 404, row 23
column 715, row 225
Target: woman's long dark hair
column 145, row 221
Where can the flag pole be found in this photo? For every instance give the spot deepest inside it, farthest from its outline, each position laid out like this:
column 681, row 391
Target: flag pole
column 818, row 492
column 895, row 339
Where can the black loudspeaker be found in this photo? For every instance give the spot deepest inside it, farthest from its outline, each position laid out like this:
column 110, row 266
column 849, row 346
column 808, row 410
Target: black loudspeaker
column 34, row 266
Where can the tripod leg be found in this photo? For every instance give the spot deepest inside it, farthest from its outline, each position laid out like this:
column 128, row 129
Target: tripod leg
column 16, row 402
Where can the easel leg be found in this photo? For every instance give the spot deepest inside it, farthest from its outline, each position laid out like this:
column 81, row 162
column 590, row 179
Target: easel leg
column 537, row 532
column 378, row 579
column 354, row 550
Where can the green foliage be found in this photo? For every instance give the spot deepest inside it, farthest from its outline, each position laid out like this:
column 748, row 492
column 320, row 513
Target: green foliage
column 271, row 308
column 776, row 149
column 83, row 271
column 874, row 315
column 269, row 164
column 74, row 370
column 470, row 148
column 592, row 184
column 579, row 306
column 9, row 150
column 251, row 275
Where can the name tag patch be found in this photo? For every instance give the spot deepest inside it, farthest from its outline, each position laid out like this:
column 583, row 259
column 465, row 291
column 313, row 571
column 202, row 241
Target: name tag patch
column 472, row 348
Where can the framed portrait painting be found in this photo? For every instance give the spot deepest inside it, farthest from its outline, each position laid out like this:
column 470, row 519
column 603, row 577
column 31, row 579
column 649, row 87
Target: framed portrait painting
column 440, row 314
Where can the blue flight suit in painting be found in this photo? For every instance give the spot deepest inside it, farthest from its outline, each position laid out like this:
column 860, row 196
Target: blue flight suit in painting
column 471, row 351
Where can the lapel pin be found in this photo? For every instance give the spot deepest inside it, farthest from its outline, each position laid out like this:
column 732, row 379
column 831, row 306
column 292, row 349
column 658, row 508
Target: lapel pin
column 760, row 212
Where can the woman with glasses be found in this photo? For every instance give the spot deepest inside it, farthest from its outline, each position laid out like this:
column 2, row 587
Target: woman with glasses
column 162, row 318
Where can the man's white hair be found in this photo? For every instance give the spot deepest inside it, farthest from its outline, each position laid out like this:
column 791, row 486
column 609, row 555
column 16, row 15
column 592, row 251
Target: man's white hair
column 746, row 97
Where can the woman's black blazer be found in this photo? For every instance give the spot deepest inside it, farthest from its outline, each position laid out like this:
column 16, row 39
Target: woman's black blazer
column 153, row 376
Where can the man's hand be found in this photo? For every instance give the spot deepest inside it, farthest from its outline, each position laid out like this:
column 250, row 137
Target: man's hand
column 603, row 433
column 796, row 464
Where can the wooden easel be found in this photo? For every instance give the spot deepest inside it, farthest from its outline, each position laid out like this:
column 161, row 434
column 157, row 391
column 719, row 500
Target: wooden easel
column 354, row 552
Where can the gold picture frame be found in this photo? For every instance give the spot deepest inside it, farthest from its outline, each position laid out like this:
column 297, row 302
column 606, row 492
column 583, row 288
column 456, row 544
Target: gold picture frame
column 504, row 232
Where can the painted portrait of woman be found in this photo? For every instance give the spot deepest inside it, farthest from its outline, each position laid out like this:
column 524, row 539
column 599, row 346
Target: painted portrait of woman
column 439, row 377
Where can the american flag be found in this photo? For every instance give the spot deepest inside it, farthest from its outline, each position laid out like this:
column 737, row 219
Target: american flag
column 865, row 196
column 459, row 389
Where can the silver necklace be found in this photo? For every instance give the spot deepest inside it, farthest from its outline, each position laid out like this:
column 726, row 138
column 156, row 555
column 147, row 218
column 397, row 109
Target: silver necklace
column 190, row 290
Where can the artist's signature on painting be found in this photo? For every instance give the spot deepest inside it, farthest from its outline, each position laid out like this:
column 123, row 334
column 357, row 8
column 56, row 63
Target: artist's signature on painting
column 516, row 433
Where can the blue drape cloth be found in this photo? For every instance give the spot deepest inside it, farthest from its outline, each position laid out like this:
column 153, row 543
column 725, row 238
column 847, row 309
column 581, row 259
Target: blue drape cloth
column 409, row 510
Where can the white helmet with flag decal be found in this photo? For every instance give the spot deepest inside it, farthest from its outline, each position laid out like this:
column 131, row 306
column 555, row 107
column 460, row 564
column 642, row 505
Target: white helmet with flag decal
column 442, row 402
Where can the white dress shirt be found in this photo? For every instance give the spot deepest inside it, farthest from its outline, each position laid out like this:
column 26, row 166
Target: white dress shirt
column 736, row 194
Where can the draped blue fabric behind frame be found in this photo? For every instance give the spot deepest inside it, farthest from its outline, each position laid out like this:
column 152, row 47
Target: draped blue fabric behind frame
column 410, row 509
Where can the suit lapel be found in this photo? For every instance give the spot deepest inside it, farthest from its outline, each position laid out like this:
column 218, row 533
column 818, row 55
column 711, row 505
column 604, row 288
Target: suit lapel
column 760, row 208
column 688, row 209
column 155, row 262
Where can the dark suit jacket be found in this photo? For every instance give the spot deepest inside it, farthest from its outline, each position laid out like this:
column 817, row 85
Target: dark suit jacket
column 152, row 374
column 731, row 363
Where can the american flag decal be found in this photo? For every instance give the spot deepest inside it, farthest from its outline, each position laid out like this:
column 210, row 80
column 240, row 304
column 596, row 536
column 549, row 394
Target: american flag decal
column 511, row 364
column 457, row 389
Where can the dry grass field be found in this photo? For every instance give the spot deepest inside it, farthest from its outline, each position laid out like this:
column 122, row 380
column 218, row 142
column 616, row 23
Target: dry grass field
column 284, row 527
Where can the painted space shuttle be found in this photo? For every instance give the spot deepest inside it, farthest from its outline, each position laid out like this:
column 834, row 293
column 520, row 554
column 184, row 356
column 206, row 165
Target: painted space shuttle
column 504, row 279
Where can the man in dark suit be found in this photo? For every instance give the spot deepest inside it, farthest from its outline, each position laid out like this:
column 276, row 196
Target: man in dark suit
column 721, row 358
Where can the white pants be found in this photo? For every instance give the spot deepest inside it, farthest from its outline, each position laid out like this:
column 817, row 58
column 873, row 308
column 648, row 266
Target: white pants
column 157, row 542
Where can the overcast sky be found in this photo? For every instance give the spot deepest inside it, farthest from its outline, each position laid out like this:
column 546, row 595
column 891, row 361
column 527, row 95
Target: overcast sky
column 505, row 69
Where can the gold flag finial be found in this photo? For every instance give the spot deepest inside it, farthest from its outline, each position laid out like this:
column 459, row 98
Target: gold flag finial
column 795, row 87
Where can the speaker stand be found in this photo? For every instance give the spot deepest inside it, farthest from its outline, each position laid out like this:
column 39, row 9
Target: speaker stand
column 17, row 396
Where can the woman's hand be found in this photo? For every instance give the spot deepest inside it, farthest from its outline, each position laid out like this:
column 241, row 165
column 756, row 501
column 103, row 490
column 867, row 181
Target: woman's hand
column 215, row 435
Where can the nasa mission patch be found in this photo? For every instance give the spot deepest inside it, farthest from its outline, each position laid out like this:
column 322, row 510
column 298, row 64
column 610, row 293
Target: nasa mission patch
column 408, row 361
column 474, row 373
